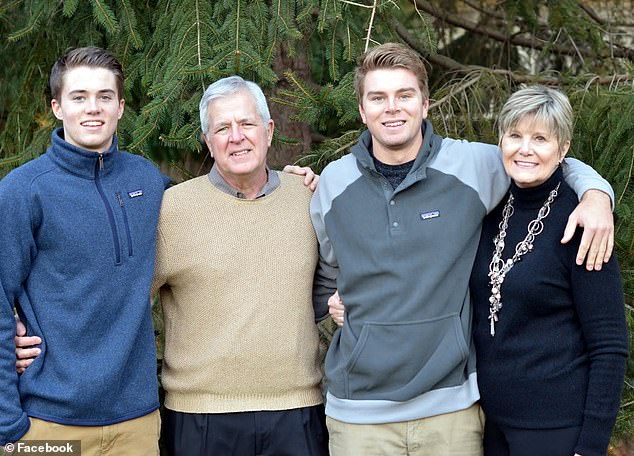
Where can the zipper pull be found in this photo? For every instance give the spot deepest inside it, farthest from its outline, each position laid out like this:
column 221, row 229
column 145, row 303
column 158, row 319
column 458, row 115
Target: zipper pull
column 100, row 162
column 120, row 199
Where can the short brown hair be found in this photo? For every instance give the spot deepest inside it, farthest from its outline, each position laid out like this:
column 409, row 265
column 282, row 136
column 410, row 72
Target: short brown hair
column 87, row 56
column 390, row 56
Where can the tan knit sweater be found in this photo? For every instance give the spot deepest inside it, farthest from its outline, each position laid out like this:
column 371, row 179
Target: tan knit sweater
column 236, row 289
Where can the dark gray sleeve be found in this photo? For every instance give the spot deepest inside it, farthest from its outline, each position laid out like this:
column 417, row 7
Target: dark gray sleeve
column 325, row 282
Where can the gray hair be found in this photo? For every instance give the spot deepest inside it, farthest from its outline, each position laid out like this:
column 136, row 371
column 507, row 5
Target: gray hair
column 541, row 103
column 228, row 86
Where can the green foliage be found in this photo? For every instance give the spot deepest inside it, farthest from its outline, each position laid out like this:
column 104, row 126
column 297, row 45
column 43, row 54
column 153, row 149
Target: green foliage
column 625, row 419
column 464, row 107
column 528, row 10
column 604, row 138
column 324, row 109
column 104, row 16
column 70, row 6
column 564, row 17
column 331, row 149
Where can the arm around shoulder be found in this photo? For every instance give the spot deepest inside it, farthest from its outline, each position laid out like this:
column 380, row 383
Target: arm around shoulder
column 594, row 214
column 324, row 283
column 476, row 164
column 582, row 177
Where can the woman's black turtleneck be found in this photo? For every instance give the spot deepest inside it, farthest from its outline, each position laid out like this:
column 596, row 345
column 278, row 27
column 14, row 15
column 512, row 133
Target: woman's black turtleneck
column 558, row 355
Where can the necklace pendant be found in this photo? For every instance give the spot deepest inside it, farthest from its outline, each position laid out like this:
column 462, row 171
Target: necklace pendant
column 493, row 317
column 498, row 268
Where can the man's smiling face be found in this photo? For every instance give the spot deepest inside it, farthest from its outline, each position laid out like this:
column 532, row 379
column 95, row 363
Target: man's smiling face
column 238, row 138
column 393, row 109
column 89, row 107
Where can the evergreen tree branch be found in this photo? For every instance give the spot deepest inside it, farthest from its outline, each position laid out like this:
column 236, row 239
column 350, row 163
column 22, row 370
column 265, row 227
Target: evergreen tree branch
column 12, row 160
column 148, row 130
column 470, row 80
column 137, row 43
column 32, row 25
column 292, row 78
column 591, row 13
column 428, row 30
column 629, row 178
column 198, row 51
column 598, row 19
column 483, row 10
column 370, row 24
column 70, row 6
column 8, row 5
column 357, row 4
column 333, row 51
column 105, row 16
column 237, row 47
column 451, row 64
column 531, row 41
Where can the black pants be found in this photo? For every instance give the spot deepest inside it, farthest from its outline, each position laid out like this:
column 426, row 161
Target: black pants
column 500, row 440
column 295, row 432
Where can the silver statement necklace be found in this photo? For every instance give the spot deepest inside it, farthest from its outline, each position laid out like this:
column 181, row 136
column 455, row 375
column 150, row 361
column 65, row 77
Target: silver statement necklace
column 498, row 268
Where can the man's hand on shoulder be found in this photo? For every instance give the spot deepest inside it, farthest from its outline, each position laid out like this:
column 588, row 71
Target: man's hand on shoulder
column 594, row 215
column 310, row 178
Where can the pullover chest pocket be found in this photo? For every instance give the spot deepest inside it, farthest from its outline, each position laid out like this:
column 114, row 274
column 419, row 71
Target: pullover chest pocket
column 126, row 224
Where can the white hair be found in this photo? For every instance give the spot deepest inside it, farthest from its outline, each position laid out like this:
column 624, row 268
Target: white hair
column 228, row 86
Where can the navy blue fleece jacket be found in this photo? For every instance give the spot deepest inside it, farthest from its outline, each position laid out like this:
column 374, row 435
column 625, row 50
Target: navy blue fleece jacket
column 77, row 246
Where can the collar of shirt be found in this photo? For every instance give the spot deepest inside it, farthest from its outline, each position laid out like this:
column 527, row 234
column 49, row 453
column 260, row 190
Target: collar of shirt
column 272, row 182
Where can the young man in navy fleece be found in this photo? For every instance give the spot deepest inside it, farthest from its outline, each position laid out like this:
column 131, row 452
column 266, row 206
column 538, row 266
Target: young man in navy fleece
column 78, row 232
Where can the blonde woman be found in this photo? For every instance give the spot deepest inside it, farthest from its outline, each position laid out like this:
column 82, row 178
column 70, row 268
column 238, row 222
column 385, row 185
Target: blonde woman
column 551, row 338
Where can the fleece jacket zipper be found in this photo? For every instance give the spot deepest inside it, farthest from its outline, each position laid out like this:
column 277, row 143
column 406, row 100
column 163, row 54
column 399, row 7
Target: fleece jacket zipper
column 113, row 226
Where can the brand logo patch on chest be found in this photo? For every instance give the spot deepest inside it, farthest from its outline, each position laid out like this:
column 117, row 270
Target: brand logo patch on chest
column 135, row 194
column 429, row 215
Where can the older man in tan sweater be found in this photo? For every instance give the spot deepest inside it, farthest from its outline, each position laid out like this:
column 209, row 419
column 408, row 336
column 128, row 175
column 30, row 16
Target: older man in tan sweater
column 235, row 250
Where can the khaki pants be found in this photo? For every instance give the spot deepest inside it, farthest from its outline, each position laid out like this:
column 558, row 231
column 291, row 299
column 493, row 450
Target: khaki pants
column 138, row 437
column 456, row 434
